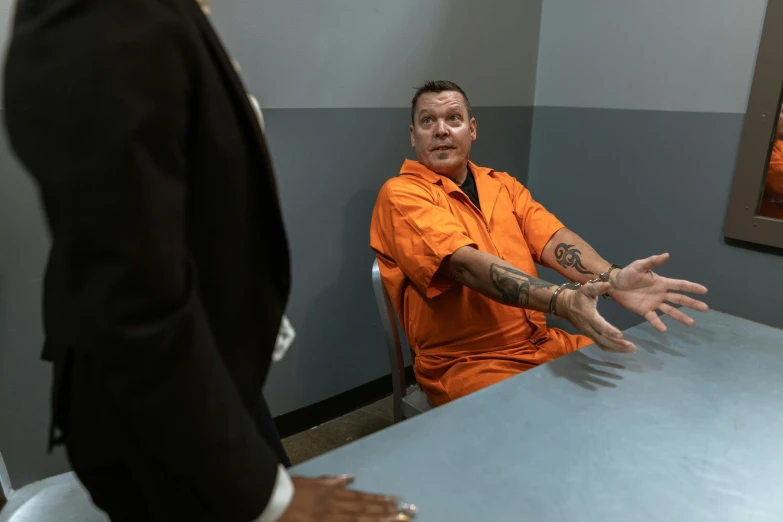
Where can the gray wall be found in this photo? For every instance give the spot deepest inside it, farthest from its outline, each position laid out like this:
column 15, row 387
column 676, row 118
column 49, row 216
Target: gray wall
column 672, row 55
column 636, row 129
column 6, row 10
column 335, row 84
column 24, row 379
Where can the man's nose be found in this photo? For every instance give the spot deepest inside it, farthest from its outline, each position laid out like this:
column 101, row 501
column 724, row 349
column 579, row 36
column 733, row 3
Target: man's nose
column 441, row 129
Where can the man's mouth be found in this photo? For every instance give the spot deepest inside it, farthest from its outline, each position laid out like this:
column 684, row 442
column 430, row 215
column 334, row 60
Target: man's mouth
column 442, row 148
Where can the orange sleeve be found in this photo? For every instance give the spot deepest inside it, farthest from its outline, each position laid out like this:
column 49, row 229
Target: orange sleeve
column 417, row 234
column 774, row 182
column 537, row 223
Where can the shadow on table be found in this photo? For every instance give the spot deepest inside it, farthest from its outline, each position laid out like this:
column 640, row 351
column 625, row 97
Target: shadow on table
column 661, row 344
column 586, row 372
column 697, row 335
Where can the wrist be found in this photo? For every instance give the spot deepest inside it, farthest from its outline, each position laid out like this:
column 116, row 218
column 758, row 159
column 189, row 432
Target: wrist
column 563, row 303
column 614, row 274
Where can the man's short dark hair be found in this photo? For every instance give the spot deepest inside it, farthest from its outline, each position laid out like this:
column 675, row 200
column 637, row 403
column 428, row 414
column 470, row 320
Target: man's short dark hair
column 438, row 86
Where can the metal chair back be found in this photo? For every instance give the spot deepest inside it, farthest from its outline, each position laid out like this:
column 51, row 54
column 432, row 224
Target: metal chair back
column 407, row 403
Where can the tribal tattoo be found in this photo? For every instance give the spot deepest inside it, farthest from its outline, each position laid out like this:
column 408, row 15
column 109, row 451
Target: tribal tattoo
column 569, row 257
column 514, row 286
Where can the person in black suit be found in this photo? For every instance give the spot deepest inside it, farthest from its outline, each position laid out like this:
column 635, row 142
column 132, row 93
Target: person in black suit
column 169, row 267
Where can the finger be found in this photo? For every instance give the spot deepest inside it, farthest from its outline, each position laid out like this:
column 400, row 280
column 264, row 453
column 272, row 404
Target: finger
column 609, row 344
column 361, row 513
column 605, row 328
column 611, row 347
column 654, row 320
column 359, row 501
column 340, row 481
column 676, row 314
column 680, row 285
column 688, row 302
column 653, row 262
column 364, row 504
column 342, row 517
column 375, row 511
column 614, row 345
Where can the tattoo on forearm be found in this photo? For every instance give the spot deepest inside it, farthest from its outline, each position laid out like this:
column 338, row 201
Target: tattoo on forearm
column 514, row 286
column 569, row 257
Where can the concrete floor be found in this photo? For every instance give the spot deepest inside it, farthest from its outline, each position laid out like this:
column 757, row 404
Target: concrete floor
column 339, row 432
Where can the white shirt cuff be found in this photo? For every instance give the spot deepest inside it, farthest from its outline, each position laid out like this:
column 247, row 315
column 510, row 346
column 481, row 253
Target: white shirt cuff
column 285, row 337
column 280, row 499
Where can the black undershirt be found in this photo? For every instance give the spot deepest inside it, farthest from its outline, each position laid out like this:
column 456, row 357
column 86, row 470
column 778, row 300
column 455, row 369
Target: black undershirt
column 469, row 188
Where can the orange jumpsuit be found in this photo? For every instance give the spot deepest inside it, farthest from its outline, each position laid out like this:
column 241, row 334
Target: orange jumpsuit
column 463, row 341
column 772, row 200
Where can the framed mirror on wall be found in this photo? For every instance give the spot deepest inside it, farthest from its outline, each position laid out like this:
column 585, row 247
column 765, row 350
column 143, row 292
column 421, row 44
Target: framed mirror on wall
column 755, row 212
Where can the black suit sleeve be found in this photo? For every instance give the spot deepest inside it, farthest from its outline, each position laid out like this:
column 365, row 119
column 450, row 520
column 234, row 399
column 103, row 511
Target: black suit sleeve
column 98, row 109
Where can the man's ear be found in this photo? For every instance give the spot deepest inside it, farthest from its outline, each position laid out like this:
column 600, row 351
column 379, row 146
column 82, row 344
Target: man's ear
column 413, row 141
column 473, row 127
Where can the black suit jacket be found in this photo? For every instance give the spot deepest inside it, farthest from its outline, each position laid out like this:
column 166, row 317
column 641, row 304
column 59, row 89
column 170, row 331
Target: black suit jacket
column 169, row 269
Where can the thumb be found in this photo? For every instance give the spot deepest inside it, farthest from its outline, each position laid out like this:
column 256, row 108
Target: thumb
column 653, row 262
column 339, row 481
column 596, row 289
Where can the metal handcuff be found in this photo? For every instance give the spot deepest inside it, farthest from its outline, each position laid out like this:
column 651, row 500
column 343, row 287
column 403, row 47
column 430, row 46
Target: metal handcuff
column 602, row 278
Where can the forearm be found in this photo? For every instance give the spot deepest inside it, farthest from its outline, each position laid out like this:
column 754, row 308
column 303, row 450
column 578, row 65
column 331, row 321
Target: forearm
column 499, row 280
column 573, row 257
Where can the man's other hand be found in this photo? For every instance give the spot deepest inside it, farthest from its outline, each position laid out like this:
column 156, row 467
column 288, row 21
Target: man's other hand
column 580, row 308
column 326, row 499
column 638, row 289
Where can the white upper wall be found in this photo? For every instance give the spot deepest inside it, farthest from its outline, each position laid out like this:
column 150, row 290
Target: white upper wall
column 372, row 53
column 675, row 55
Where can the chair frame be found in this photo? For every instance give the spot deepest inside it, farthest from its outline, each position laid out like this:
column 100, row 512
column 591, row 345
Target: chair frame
column 5, row 484
column 403, row 408
column 393, row 344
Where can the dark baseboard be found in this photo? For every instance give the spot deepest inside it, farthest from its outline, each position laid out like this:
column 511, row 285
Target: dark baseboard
column 776, row 251
column 316, row 414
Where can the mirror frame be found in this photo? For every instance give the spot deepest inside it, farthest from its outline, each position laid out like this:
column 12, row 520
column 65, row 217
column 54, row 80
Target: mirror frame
column 742, row 219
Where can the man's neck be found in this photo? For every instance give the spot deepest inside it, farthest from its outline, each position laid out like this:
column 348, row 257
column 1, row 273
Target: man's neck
column 460, row 178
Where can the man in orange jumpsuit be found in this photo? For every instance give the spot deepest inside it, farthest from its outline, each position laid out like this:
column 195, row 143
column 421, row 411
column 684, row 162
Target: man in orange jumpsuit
column 457, row 245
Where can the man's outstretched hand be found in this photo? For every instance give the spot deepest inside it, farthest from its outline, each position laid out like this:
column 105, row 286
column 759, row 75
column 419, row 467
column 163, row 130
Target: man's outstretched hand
column 580, row 308
column 638, row 289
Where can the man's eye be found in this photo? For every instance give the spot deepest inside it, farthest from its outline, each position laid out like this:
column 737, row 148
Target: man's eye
column 427, row 120
column 454, row 117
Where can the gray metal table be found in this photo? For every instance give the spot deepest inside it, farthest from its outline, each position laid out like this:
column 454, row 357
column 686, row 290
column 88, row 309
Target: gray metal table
column 690, row 427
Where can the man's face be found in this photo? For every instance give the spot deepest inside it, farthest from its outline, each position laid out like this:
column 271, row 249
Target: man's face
column 442, row 133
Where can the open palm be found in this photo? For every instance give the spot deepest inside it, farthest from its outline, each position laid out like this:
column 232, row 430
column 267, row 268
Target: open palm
column 638, row 289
